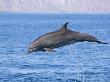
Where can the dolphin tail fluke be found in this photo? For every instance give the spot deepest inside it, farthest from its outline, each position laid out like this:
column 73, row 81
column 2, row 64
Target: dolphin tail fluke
column 101, row 42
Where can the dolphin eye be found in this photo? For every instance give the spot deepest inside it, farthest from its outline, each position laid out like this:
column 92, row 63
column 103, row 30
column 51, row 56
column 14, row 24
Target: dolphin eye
column 31, row 49
column 37, row 46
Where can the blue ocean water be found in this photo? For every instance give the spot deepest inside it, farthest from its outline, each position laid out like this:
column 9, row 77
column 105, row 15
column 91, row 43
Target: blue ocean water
column 79, row 62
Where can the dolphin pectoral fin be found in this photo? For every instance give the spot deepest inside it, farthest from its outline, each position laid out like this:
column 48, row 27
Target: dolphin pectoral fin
column 49, row 49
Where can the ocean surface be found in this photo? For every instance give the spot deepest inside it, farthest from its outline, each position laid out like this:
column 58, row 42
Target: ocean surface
column 79, row 62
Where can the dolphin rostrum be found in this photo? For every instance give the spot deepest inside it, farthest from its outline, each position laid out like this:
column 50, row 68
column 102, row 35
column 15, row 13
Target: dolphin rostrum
column 60, row 38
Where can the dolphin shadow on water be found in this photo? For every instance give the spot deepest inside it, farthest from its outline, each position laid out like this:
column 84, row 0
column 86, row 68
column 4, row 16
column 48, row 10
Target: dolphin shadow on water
column 59, row 38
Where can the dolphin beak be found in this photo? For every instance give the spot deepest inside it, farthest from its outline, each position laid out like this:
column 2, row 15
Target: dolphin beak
column 32, row 49
column 29, row 51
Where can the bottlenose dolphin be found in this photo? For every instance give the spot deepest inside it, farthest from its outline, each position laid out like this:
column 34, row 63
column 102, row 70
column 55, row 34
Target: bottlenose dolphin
column 59, row 38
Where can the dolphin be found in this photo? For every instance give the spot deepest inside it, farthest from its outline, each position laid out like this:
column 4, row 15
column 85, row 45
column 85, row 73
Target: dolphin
column 59, row 38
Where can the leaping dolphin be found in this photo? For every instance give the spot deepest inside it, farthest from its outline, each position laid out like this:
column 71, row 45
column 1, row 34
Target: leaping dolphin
column 59, row 38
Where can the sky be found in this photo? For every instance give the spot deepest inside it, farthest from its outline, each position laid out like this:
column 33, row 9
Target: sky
column 55, row 6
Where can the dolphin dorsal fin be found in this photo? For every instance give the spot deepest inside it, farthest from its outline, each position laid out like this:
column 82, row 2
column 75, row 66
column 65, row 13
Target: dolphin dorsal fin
column 64, row 26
